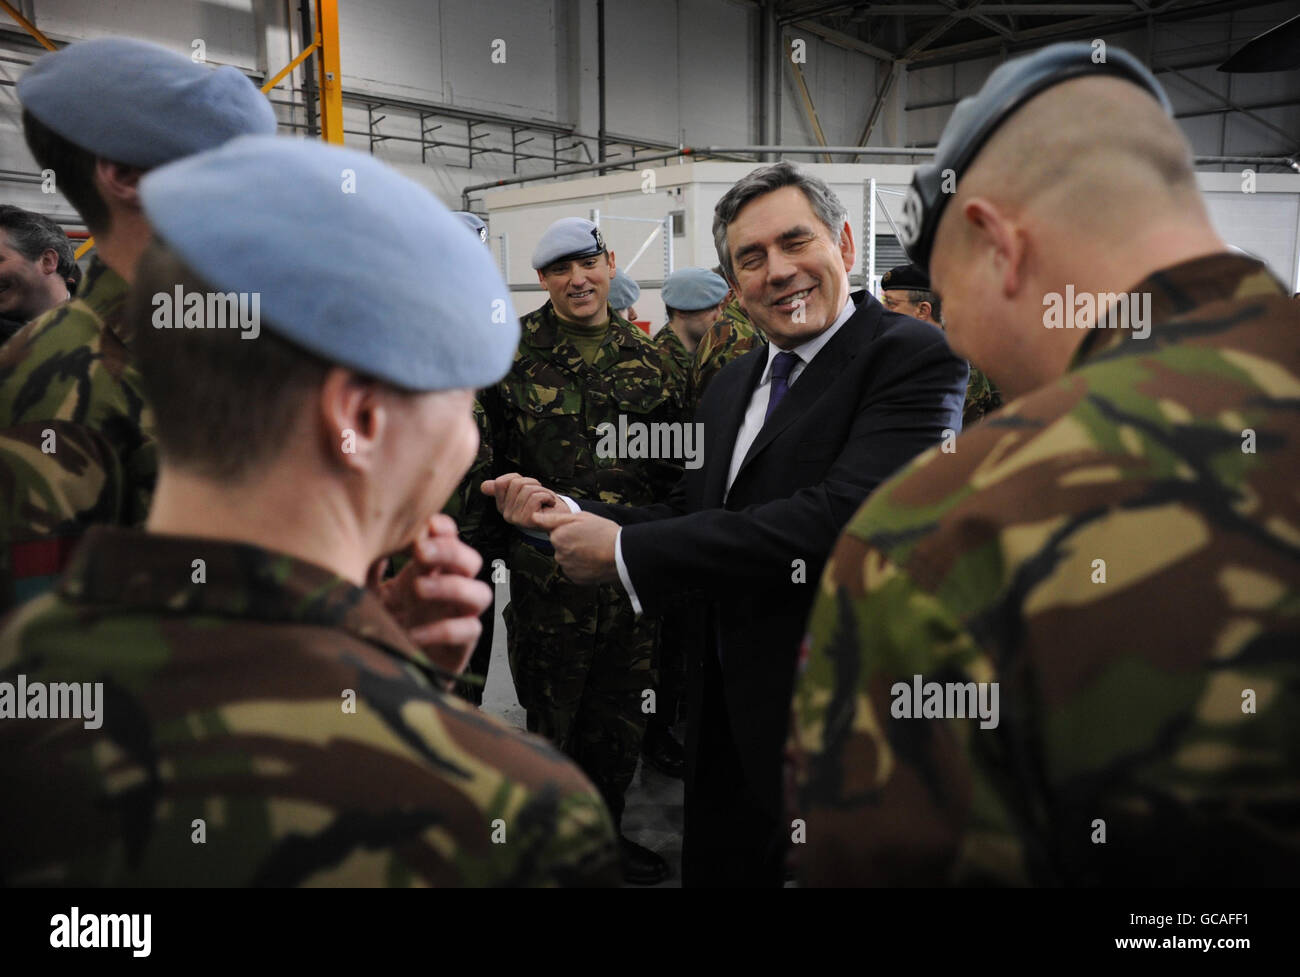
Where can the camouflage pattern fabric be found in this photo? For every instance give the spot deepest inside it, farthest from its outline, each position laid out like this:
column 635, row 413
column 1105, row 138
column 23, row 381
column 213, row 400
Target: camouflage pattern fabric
column 1120, row 552
column 730, row 337
column 579, row 656
column 76, row 436
column 982, row 397
column 481, row 527
column 681, row 360
column 225, row 711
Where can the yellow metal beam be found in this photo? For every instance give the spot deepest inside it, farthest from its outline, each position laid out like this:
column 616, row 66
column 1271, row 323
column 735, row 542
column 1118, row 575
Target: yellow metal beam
column 266, row 89
column 809, row 108
column 27, row 25
column 86, row 245
column 331, row 77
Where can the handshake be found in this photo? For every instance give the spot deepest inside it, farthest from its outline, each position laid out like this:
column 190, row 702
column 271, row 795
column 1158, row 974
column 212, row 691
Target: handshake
column 584, row 543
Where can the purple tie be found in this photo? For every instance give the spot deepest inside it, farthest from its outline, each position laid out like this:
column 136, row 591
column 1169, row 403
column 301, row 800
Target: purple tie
column 782, row 366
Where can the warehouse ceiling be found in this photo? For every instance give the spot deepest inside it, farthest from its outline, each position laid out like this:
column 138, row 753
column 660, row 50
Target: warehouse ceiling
column 932, row 32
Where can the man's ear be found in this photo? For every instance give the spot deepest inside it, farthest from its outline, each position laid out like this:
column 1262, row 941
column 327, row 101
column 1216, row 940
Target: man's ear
column 609, row 256
column 118, row 183
column 541, row 279
column 925, row 309
column 992, row 230
column 848, row 250
column 353, row 417
column 48, row 261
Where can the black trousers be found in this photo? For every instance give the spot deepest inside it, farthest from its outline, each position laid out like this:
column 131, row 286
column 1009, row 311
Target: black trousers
column 731, row 840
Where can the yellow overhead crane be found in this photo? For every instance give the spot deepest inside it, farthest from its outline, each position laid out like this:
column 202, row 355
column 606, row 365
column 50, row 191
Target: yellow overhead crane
column 329, row 80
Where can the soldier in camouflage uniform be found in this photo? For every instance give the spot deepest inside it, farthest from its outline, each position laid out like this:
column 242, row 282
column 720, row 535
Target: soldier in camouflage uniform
column 728, row 338
column 265, row 719
column 580, row 657
column 1116, row 553
column 76, row 435
column 906, row 290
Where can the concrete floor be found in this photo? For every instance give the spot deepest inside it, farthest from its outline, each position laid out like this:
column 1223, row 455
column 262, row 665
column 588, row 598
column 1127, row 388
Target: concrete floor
column 653, row 816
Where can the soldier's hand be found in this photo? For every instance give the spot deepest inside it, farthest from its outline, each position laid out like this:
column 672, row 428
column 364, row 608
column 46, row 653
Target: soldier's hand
column 520, row 499
column 584, row 545
column 436, row 597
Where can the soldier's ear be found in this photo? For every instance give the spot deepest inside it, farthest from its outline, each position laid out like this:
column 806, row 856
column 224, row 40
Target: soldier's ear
column 353, row 418
column 117, row 183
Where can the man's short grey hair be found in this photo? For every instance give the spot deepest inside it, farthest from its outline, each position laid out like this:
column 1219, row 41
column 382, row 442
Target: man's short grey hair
column 32, row 234
column 762, row 181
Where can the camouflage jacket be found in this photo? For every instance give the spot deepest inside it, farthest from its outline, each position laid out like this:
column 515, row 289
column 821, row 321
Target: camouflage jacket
column 76, row 436
column 982, row 397
column 682, row 361
column 731, row 336
column 1120, row 552
column 270, row 725
column 545, row 417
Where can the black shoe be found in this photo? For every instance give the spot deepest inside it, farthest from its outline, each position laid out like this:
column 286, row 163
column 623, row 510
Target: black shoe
column 663, row 752
column 641, row 866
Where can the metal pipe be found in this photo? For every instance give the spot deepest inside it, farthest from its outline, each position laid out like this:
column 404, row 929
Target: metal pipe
column 305, row 14
column 509, row 181
column 600, row 79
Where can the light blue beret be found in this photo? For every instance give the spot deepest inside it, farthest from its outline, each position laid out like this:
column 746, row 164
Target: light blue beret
column 568, row 237
column 691, row 289
column 351, row 260
column 141, row 104
column 474, row 223
column 623, row 290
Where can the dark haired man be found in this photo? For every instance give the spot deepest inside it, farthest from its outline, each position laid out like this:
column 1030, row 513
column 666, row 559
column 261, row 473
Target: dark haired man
column 256, row 715
column 36, row 265
column 796, row 434
column 76, row 432
column 580, row 657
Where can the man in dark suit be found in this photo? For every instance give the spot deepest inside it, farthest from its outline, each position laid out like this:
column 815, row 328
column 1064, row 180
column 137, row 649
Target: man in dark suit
column 796, row 434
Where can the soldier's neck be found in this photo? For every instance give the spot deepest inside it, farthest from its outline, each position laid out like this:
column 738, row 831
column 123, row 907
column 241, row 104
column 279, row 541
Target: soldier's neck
column 281, row 515
column 122, row 245
column 583, row 328
column 679, row 330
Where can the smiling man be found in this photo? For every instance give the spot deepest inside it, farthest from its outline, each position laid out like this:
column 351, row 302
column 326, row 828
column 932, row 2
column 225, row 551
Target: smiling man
column 35, row 266
column 580, row 657
column 796, row 434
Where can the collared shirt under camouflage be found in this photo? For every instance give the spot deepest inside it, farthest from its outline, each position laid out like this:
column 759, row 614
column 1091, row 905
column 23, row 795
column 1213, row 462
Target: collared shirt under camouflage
column 76, row 435
column 545, row 414
column 264, row 722
column 1120, row 552
column 731, row 336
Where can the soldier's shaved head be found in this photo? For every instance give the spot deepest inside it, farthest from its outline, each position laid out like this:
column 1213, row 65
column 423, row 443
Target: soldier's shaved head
column 1089, row 184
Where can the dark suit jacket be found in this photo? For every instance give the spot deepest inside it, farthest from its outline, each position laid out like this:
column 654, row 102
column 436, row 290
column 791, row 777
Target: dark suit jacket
column 881, row 391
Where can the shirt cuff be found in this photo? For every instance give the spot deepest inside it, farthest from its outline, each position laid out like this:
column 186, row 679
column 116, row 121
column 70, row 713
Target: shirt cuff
column 623, row 576
column 573, row 506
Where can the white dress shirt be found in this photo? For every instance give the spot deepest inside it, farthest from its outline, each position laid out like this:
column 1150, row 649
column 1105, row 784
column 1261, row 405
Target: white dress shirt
column 749, row 427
